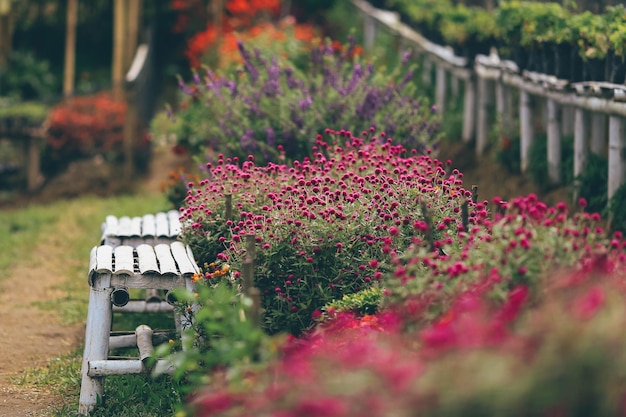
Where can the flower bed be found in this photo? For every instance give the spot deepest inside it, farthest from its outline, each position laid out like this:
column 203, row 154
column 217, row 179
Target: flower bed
column 271, row 102
column 513, row 300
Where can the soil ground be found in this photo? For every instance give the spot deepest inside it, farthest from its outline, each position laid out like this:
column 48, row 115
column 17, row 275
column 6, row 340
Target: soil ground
column 30, row 337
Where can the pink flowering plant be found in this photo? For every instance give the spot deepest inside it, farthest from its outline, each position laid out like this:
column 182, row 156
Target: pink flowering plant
column 324, row 227
column 462, row 307
column 275, row 101
column 560, row 354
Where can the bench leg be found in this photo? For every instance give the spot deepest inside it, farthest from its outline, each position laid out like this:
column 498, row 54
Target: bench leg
column 99, row 318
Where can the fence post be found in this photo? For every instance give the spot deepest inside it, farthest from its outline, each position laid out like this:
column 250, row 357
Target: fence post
column 504, row 107
column 581, row 140
column 554, row 141
column 567, row 120
column 482, row 116
column 369, row 32
column 598, row 134
column 526, row 127
column 440, row 99
column 617, row 145
column 427, row 70
column 469, row 103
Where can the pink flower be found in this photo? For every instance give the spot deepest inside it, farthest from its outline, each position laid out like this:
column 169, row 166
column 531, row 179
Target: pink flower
column 586, row 306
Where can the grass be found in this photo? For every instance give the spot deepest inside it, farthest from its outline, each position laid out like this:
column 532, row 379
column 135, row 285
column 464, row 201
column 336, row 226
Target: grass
column 72, row 227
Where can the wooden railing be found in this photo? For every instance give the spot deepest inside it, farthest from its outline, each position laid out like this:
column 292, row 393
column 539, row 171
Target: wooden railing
column 578, row 109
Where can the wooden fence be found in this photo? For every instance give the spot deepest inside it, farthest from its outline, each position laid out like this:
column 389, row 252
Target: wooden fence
column 590, row 111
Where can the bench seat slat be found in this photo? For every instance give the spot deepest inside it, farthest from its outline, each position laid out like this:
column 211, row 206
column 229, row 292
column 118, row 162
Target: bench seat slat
column 181, row 257
column 135, row 226
column 104, row 259
column 147, row 259
column 124, row 260
column 166, row 261
column 173, row 217
column 110, row 226
column 124, row 227
column 162, row 226
column 148, row 226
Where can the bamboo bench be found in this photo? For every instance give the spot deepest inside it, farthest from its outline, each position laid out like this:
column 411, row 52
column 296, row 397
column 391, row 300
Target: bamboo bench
column 134, row 253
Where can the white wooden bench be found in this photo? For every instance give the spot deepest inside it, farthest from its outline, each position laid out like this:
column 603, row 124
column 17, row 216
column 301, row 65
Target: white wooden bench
column 135, row 253
column 163, row 227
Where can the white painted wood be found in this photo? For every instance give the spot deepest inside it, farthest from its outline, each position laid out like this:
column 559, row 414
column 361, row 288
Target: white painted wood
column 156, row 281
column 110, row 226
column 146, row 259
column 99, row 318
column 455, row 86
column 581, row 140
column 598, row 134
column 440, row 98
column 124, row 226
column 173, row 217
column 369, row 32
column 144, row 342
column 617, row 145
column 504, row 108
column 162, row 226
column 469, row 105
column 140, row 306
column 104, row 259
column 148, row 226
column 526, row 128
column 554, row 141
column 104, row 368
column 93, row 262
column 427, row 71
column 124, row 260
column 118, row 340
column 567, row 120
column 185, row 265
column 164, row 257
column 482, row 122
column 135, row 226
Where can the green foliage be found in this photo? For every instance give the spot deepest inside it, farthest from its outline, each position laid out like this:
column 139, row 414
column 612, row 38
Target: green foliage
column 538, row 169
column 366, row 301
column 28, row 78
column 591, row 184
column 222, row 336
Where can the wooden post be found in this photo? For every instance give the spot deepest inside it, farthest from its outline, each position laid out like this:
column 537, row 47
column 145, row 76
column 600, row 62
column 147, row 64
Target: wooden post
column 554, row 141
column 504, row 108
column 34, row 177
column 567, row 120
column 469, row 104
column 482, row 115
column 119, row 35
column 617, row 146
column 454, row 86
column 526, row 128
column 99, row 318
column 581, row 140
column 6, row 34
column 70, row 48
column 228, row 210
column 134, row 24
column 427, row 70
column 598, row 134
column 369, row 33
column 440, row 98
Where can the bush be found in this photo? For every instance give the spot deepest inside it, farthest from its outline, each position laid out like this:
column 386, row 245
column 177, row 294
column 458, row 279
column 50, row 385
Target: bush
column 271, row 104
column 324, row 227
